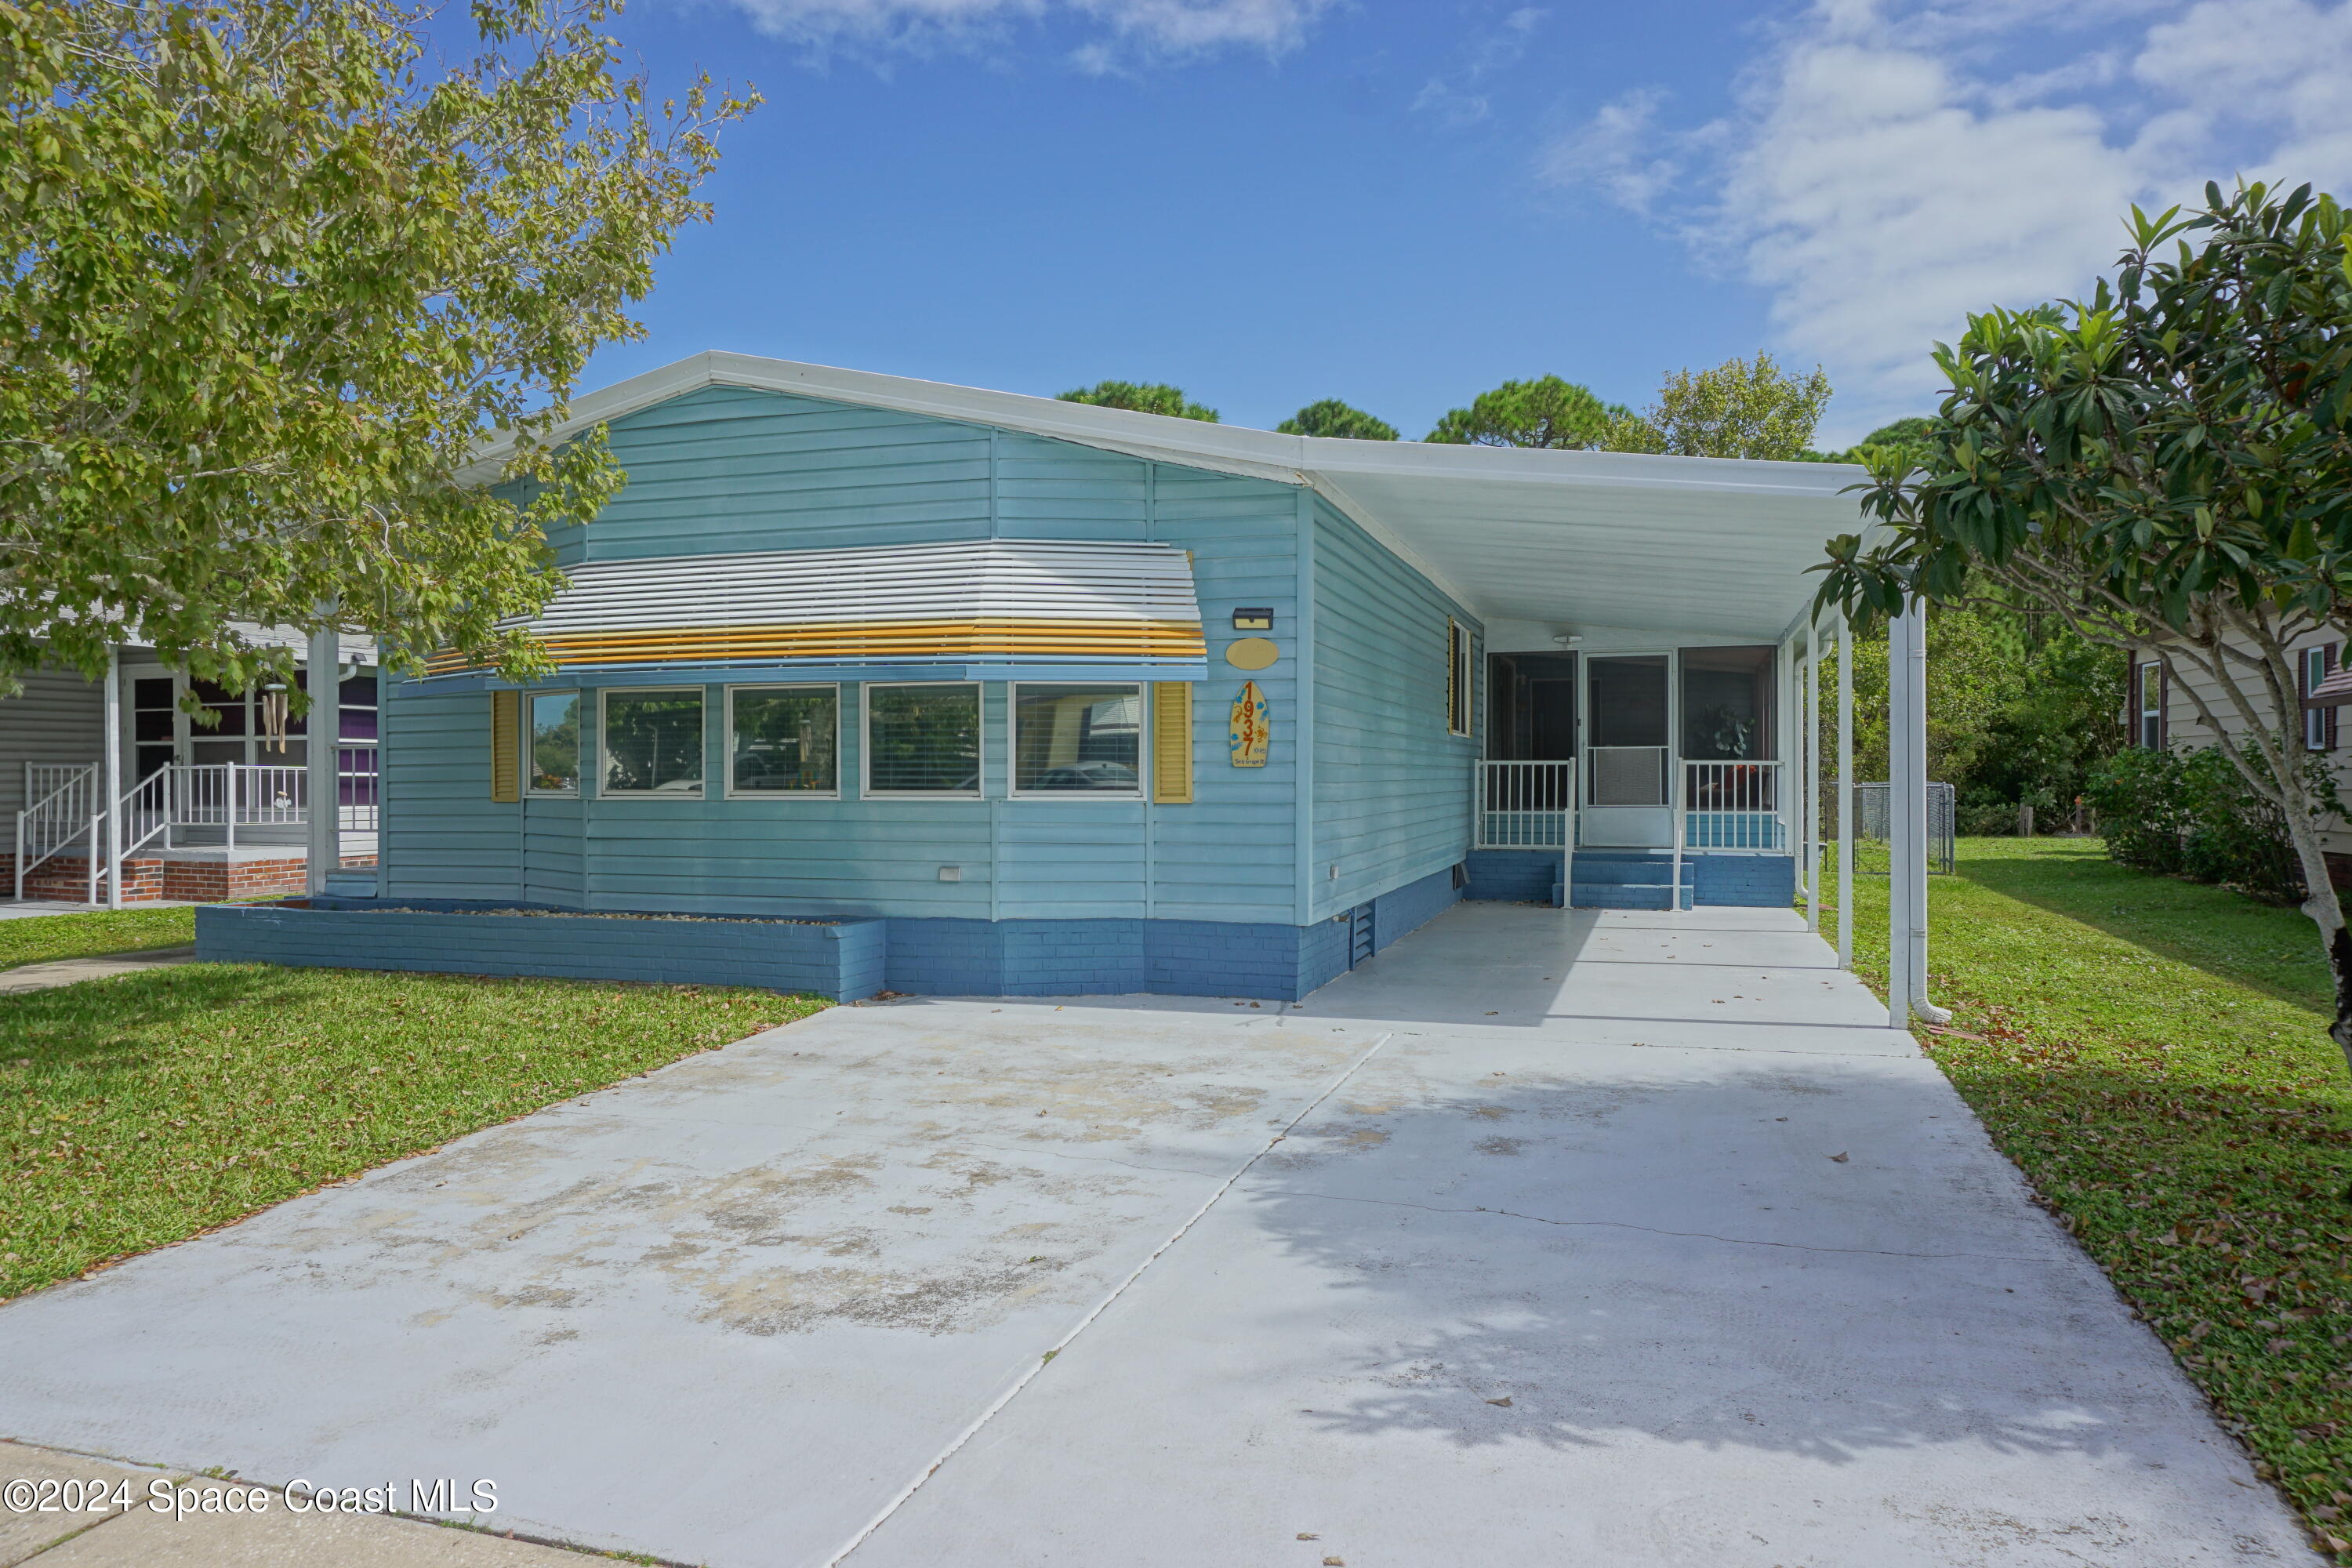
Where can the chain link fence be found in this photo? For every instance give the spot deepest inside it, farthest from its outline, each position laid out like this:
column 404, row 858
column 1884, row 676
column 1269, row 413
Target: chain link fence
column 1871, row 812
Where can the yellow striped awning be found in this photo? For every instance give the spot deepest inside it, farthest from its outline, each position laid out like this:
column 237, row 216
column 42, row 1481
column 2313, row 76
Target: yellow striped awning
column 994, row 600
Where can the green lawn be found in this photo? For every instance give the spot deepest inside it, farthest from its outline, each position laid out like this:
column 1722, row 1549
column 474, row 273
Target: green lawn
column 2151, row 1052
column 37, row 938
column 141, row 1110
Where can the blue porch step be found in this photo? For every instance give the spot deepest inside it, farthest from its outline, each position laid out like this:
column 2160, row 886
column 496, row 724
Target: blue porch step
column 1629, row 879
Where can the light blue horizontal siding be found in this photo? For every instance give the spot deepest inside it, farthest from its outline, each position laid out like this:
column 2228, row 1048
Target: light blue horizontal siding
column 1392, row 787
column 729, row 470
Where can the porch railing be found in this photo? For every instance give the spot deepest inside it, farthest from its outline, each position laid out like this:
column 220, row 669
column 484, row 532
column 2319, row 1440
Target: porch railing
column 1525, row 806
column 66, row 806
column 1734, row 806
column 62, row 807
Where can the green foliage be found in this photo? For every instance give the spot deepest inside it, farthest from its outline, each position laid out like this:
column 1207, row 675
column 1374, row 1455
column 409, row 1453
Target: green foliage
column 1333, row 417
column 1907, row 435
column 2143, row 1048
column 2193, row 814
column 271, row 276
column 2143, row 814
column 1741, row 408
column 2019, row 710
column 1143, row 398
column 1547, row 411
column 2178, row 444
column 139, row 1112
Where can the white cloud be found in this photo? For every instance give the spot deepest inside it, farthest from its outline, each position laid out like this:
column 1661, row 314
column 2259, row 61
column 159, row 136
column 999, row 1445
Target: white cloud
column 1156, row 27
column 1454, row 99
column 1884, row 172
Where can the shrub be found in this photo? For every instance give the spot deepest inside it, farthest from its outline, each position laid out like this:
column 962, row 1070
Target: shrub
column 2142, row 808
column 2192, row 814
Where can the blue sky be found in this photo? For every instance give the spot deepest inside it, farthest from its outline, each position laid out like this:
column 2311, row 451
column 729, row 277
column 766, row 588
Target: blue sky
column 1274, row 201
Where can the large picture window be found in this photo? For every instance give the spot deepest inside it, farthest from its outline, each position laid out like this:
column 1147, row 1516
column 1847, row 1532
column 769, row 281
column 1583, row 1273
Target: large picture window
column 922, row 739
column 783, row 740
column 554, row 742
column 651, row 742
column 1078, row 739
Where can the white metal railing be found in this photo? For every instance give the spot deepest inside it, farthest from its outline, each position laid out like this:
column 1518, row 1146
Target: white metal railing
column 1525, row 806
column 1733, row 806
column 61, row 807
column 66, row 805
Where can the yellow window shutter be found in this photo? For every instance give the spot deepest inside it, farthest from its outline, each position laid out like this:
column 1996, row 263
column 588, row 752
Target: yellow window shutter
column 1171, row 742
column 506, row 745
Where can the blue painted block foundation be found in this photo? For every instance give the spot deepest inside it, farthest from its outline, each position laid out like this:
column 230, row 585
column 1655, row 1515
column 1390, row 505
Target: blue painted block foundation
column 1633, row 878
column 842, row 960
column 847, row 959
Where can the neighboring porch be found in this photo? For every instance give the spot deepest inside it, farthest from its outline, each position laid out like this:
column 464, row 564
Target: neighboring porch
column 146, row 786
column 188, row 832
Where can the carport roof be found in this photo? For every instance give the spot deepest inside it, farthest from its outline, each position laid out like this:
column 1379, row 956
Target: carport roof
column 1678, row 544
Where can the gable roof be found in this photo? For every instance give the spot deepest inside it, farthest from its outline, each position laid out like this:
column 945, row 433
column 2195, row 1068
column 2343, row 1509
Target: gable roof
column 1686, row 544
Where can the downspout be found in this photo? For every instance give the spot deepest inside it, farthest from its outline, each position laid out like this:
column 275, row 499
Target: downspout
column 1302, row 728
column 1907, row 971
column 1811, row 743
column 1845, row 792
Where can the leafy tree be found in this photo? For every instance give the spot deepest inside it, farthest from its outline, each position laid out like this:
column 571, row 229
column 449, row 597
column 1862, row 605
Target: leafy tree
column 1741, row 408
column 270, row 281
column 1546, row 412
column 1907, row 433
column 1333, row 417
column 2165, row 467
column 1144, row 398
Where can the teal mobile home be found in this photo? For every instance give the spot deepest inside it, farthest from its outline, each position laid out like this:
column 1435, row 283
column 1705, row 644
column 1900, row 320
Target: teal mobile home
column 1024, row 697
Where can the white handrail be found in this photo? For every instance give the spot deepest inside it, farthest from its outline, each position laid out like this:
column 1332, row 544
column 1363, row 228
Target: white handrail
column 226, row 796
column 1733, row 804
column 52, row 823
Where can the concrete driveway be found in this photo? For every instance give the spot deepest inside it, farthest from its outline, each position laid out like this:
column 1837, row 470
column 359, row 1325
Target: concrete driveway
column 1525, row 1243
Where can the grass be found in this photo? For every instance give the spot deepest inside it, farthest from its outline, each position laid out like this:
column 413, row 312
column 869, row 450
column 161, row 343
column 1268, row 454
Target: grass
column 2152, row 1055
column 37, row 938
column 146, row 1110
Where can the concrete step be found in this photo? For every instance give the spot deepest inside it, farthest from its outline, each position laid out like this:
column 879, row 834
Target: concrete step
column 1631, row 873
column 1627, row 896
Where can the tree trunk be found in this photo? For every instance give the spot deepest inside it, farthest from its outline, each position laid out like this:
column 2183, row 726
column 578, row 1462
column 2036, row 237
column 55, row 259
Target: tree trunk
column 2326, row 911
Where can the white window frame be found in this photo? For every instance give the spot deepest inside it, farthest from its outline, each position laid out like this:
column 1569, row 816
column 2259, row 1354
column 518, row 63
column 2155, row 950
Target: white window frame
column 2314, row 720
column 865, row 790
column 605, row 696
column 2150, row 678
column 525, row 738
column 1142, row 690
column 727, row 742
column 1460, row 680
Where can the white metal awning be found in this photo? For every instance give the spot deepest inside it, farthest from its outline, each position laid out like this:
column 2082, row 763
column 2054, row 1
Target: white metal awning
column 1022, row 602
column 1700, row 545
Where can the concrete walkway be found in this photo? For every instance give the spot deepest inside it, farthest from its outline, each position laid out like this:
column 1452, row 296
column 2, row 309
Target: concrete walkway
column 56, row 972
column 1529, row 1242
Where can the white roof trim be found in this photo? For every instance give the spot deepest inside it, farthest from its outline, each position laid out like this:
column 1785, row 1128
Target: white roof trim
column 1320, row 463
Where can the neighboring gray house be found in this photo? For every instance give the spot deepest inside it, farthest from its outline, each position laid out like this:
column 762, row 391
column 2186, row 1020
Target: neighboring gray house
column 203, row 811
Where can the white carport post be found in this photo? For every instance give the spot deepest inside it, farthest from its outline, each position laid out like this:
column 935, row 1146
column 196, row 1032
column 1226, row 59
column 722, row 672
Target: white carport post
column 1906, row 745
column 321, row 780
column 1846, row 792
column 112, row 801
column 1811, row 753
